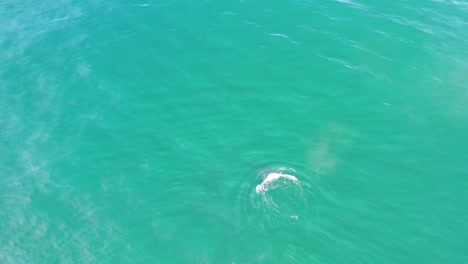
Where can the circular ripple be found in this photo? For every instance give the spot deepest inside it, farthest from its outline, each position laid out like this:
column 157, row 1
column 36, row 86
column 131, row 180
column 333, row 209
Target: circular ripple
column 271, row 203
column 279, row 196
column 274, row 195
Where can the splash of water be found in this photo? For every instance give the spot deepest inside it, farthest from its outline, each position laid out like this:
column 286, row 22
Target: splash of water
column 271, row 178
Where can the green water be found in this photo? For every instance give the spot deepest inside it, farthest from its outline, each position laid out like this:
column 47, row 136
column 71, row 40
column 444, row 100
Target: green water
column 233, row 131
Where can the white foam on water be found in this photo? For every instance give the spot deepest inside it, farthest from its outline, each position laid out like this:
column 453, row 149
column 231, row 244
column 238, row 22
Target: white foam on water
column 272, row 177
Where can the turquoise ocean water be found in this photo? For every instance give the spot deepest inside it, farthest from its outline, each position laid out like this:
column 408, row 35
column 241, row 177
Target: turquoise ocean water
column 295, row 131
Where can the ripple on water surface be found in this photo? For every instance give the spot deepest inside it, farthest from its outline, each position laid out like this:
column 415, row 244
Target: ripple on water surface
column 280, row 195
column 272, row 204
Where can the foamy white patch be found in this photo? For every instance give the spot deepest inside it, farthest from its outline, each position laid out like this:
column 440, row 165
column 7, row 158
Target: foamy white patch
column 272, row 177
